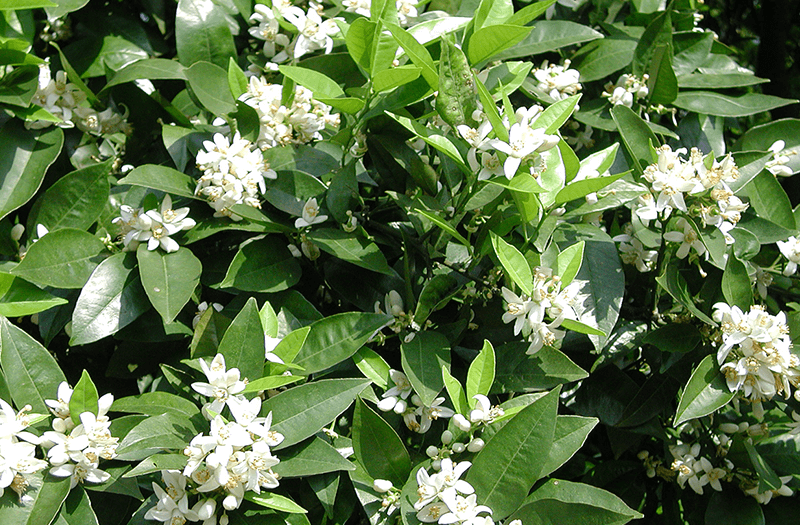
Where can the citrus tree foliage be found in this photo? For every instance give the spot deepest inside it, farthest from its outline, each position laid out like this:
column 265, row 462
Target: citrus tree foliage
column 465, row 262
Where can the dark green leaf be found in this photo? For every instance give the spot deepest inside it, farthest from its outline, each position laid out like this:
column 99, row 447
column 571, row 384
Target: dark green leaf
column 351, row 248
column 311, row 457
column 202, row 33
column 209, row 82
column 262, row 264
column 168, row 279
column 706, row 392
column 378, row 447
column 423, row 358
column 520, row 372
column 63, row 259
column 161, row 178
column 155, row 403
column 711, row 103
column 736, row 286
column 243, row 342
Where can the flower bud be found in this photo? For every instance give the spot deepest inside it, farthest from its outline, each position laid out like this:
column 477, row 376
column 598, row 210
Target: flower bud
column 432, row 451
column 17, row 231
column 437, row 464
column 462, row 423
column 401, row 406
column 205, row 508
column 476, row 445
column 230, row 502
column 447, row 437
column 458, row 448
column 387, row 403
column 382, row 485
column 729, row 428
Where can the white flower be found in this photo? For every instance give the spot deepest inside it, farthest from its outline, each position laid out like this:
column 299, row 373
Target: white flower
column 223, row 385
column 688, row 239
column 558, row 82
column 314, row 32
column 523, row 141
column 463, row 510
column 632, row 252
column 310, row 214
column 627, row 89
column 765, row 497
column 790, row 248
column 80, row 472
column 517, row 311
column 268, row 30
column 484, row 413
column 778, row 164
column 431, row 413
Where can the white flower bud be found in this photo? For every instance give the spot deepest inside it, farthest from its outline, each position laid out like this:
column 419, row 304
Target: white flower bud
column 205, row 508
column 401, row 406
column 16, row 231
column 432, row 451
column 462, row 423
column 447, row 437
column 294, row 251
column 437, row 464
column 387, row 403
column 230, row 502
column 382, row 485
column 729, row 428
column 476, row 445
column 458, row 448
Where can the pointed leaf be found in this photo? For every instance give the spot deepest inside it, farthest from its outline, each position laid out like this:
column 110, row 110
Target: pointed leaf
column 423, row 358
column 706, row 392
column 84, row 398
column 63, row 259
column 514, row 263
column 378, row 447
column 480, row 375
column 168, row 279
column 243, row 342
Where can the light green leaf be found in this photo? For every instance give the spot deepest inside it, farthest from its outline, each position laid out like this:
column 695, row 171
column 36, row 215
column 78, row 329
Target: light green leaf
column 576, row 190
column 23, row 298
column 319, row 83
column 309, row 458
column 492, row 12
column 262, row 264
column 568, row 262
column 237, row 81
column 514, row 263
column 291, row 344
column 601, row 58
column 25, row 156
column 389, row 79
column 150, row 69
column 455, row 391
column 270, row 383
column 706, row 392
column 111, row 299
column 84, row 398
column 378, row 447
column 422, row 359
column 736, row 286
column 63, row 259
column 719, row 80
column 372, row 366
column 209, row 82
column 605, row 285
column 519, row 372
column 158, row 462
column 480, row 375
column 547, row 36
column 769, row 200
column 301, row 411
column 275, row 501
column 29, row 367
column 455, row 100
column 569, row 436
column 711, row 103
column 490, row 41
column 47, row 496
column 161, row 178
column 351, row 248
column 556, row 114
column 418, row 54
column 14, row 5
column 155, row 403
column 636, row 136
column 168, row 279
column 168, row 431
column 243, row 342
column 444, row 225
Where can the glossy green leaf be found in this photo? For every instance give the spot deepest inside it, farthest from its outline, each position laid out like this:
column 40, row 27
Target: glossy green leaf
column 23, row 298
column 568, row 437
column 262, row 264
column 514, row 263
column 29, row 367
column 711, row 103
column 435, row 294
column 547, row 36
column 320, row 84
column 423, row 358
column 155, row 403
column 150, row 69
column 575, row 503
column 490, row 41
column 243, row 342
column 336, row 338
column 275, row 501
column 706, row 392
column 636, row 136
column 209, row 82
column 63, row 259
column 444, row 225
column 418, row 54
column 270, row 383
column 158, row 462
column 237, row 81
column 556, row 114
column 576, row 190
column 202, row 33
column 769, row 200
column 490, row 109
column 662, row 83
column 351, row 248
column 167, row 431
column 168, row 279
column 111, row 299
column 762, row 137
column 513, row 460
column 674, row 283
column 378, row 447
column 77, row 509
column 301, row 411
column 455, row 391
column 47, row 495
column 291, row 344
column 373, row 366
column 389, row 79
column 604, row 287
column 519, row 372
column 719, row 81
column 480, row 375
column 311, row 457
column 13, row 5
column 657, row 35
column 25, row 156
column 161, row 178
column 767, row 478
column 359, row 41
column 736, row 286
column 455, row 100
column 568, row 262
column 84, row 398
column 492, row 12
column 76, row 200
column 601, row 58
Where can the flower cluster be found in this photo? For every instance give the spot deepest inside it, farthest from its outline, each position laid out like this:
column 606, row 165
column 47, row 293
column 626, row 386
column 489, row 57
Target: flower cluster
column 755, row 355
column 483, row 414
column 65, row 100
column 74, row 450
column 233, row 173
column 406, row 9
column 628, row 89
column 697, row 470
column 417, row 416
column 547, row 299
column 312, row 32
column 153, row 227
column 525, row 142
column 790, row 248
column 446, row 499
column 17, row 448
column 236, row 456
column 557, row 82
column 298, row 123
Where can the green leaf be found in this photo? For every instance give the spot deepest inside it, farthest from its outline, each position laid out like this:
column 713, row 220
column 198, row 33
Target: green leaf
column 636, row 136
column 168, row 431
column 674, row 283
column 29, row 367
column 455, row 100
column 168, row 279
column 242, row 346
column 767, row 478
column 336, row 338
column 351, row 248
column 761, row 137
column 490, row 109
column 319, row 83
column 76, row 200
column 601, row 58
column 657, row 34
column 730, row 508
column 262, row 264
column 291, row 344
column 372, row 366
column 568, row 437
column 769, row 200
column 84, row 398
column 25, row 156
column 492, row 12
column 301, row 411
column 312, row 457
column 156, row 463
column 568, row 262
column 480, row 375
column 513, row 460
column 444, row 225
column 514, row 263
column 155, row 403
column 719, row 81
column 161, row 178
column 389, row 79
column 209, row 82
column 270, row 383
column 662, row 83
column 604, row 287
column 77, row 509
column 15, row 5
column 378, row 447
column 237, row 81
column 556, row 114
column 547, row 36
column 711, row 103
column 76, row 79
column 418, row 54
column 150, row 69
column 575, row 503
column 705, row 393
column 674, row 337
column 111, row 299
column 435, row 294
column 519, row 372
column 422, row 359
column 63, row 259
column 530, row 12
column 23, row 298
column 736, row 286
column 202, row 33
column 576, row 190
column 275, row 501
column 47, row 495
column 455, row 391
column 490, row 41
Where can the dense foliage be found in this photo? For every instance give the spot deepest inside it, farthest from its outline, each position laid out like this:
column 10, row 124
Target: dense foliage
column 456, row 262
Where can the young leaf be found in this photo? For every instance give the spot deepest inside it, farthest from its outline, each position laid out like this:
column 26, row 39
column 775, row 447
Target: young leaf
column 456, row 101
column 736, row 286
column 417, row 53
column 493, row 40
column 372, row 366
column 209, row 83
column 84, row 398
column 514, row 263
column 275, row 501
column 706, row 392
column 455, row 391
column 568, row 262
column 480, row 375
column 569, row 436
